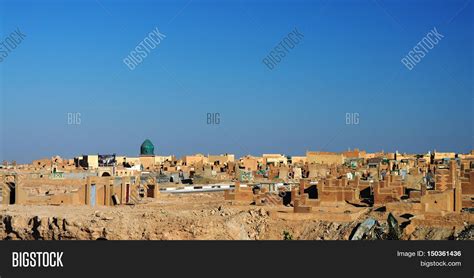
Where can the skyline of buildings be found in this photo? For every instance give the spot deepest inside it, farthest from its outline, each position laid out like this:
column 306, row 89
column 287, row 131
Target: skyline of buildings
column 148, row 156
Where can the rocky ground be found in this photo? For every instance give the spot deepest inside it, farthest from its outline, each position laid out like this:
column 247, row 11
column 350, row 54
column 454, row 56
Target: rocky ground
column 204, row 216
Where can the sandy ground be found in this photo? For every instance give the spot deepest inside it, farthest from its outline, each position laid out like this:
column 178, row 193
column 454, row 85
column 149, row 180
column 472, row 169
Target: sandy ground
column 203, row 216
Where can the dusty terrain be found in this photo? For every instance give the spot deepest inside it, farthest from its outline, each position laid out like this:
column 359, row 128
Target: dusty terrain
column 204, row 216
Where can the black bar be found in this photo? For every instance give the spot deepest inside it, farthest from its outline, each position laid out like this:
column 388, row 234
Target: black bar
column 240, row 258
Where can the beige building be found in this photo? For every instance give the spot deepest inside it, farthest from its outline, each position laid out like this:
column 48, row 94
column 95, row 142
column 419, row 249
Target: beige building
column 374, row 155
column 467, row 156
column 356, row 153
column 442, row 155
column 250, row 163
column 90, row 161
column 144, row 160
column 298, row 159
column 220, row 159
column 195, row 159
column 125, row 159
column 275, row 159
column 324, row 158
column 93, row 161
column 126, row 172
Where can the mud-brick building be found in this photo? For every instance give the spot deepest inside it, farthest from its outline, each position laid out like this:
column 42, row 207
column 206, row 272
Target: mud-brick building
column 324, row 158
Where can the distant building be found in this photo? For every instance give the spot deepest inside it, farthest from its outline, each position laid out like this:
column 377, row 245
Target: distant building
column 220, row 159
column 324, row 158
column 356, row 153
column 195, row 159
column 147, row 154
column 90, row 161
column 275, row 159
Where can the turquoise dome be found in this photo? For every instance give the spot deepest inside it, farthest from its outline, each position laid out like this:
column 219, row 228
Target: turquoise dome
column 147, row 148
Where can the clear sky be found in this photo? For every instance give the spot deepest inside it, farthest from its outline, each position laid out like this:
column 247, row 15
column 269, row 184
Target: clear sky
column 211, row 62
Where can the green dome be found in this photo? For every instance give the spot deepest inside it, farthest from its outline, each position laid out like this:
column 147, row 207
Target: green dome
column 147, row 148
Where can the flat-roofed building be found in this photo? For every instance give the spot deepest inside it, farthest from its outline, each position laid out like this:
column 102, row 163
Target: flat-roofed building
column 356, row 153
column 324, row 158
column 220, row 159
column 250, row 163
column 298, row 159
column 443, row 155
column 195, row 159
column 275, row 159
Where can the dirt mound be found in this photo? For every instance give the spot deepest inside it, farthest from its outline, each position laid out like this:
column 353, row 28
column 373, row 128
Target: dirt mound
column 203, row 216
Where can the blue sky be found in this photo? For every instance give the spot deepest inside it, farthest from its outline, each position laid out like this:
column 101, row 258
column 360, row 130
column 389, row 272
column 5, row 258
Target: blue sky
column 211, row 62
